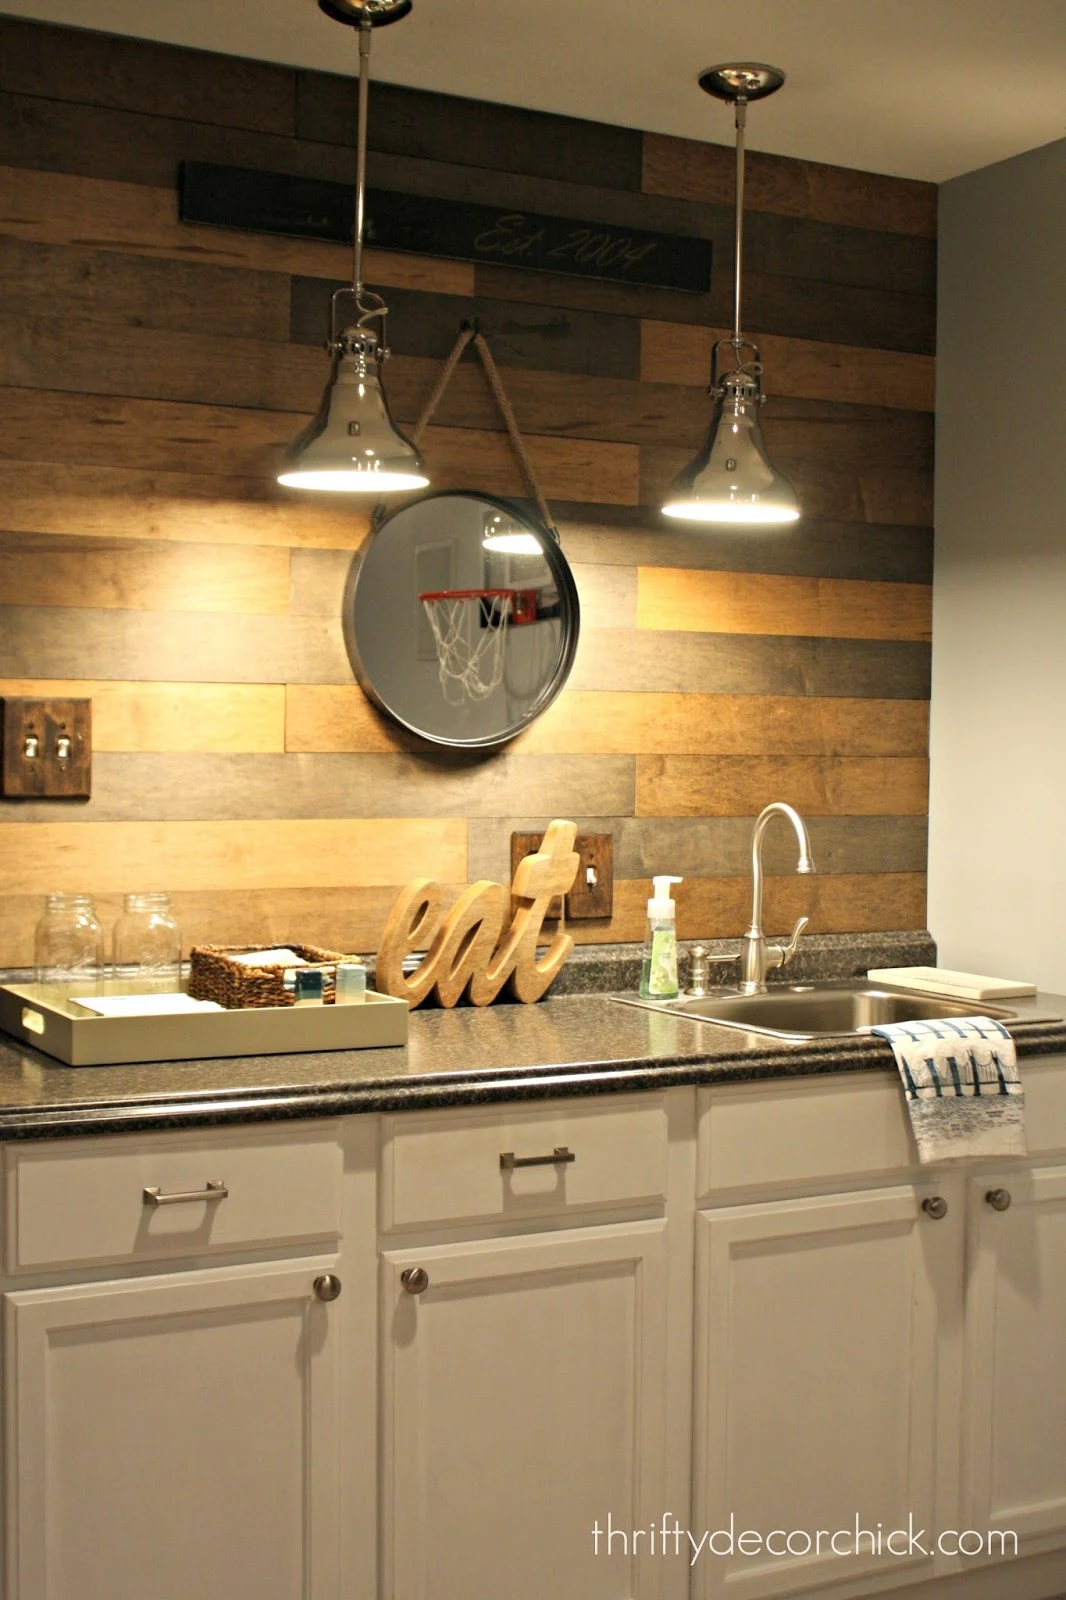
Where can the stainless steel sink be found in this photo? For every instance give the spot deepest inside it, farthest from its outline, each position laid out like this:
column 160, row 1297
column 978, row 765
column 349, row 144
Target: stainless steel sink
column 801, row 1012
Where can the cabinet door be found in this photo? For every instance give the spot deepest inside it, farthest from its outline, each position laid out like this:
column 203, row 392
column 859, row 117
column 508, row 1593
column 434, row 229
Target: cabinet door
column 816, row 1386
column 523, row 1404
column 1014, row 1410
column 172, row 1438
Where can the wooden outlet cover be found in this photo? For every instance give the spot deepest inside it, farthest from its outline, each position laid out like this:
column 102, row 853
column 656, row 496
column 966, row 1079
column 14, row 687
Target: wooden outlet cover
column 47, row 749
column 585, row 901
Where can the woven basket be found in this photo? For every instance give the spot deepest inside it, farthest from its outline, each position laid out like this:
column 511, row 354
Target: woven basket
column 214, row 975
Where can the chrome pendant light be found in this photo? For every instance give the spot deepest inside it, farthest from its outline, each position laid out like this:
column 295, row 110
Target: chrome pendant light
column 352, row 443
column 732, row 480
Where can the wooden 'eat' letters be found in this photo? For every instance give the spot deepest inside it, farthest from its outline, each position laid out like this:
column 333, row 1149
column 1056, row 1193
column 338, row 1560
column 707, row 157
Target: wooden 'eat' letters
column 466, row 948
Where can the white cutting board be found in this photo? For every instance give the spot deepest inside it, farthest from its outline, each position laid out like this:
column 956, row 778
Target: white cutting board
column 957, row 985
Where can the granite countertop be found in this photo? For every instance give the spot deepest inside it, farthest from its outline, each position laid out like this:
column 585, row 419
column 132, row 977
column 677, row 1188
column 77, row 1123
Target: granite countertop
column 571, row 1045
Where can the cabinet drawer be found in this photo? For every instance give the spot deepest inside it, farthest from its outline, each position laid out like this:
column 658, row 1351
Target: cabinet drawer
column 801, row 1130
column 821, row 1129
column 453, row 1166
column 82, row 1201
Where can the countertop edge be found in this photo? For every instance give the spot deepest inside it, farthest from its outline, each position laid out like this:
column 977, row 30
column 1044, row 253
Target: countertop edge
column 551, row 1081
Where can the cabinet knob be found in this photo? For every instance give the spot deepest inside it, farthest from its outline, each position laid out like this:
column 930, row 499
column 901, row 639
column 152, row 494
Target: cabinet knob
column 936, row 1207
column 415, row 1280
column 998, row 1199
column 327, row 1287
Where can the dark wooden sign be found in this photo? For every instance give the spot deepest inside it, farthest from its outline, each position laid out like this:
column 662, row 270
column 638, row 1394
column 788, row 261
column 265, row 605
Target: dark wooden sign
column 311, row 208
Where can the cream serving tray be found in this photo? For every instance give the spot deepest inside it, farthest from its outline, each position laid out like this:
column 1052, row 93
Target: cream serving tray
column 49, row 1016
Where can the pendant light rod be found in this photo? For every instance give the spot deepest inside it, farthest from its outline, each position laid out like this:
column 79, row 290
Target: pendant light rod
column 366, row 34
column 738, row 233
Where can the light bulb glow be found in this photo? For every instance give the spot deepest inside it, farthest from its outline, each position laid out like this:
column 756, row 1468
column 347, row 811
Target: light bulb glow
column 730, row 511
column 513, row 544
column 353, row 482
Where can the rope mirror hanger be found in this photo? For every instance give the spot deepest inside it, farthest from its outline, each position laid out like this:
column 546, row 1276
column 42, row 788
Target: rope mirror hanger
column 469, row 626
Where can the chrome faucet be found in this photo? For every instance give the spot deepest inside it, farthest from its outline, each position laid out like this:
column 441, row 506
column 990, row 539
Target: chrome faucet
column 756, row 956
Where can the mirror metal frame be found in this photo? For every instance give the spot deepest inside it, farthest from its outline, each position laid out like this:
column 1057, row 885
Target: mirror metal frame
column 570, row 609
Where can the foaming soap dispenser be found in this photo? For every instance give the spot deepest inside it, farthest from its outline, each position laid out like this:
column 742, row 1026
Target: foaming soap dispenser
column 658, row 973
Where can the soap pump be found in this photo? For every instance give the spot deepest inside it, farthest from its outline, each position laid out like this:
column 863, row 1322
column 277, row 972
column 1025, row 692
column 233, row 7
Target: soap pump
column 658, row 973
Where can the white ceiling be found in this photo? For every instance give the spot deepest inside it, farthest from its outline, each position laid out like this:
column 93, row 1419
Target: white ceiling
column 920, row 88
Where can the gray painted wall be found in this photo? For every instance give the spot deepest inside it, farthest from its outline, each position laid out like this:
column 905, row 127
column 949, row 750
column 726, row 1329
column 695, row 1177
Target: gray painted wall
column 997, row 887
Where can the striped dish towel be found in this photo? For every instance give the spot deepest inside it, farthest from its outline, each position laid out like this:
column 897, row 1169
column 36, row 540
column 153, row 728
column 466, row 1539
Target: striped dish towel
column 963, row 1092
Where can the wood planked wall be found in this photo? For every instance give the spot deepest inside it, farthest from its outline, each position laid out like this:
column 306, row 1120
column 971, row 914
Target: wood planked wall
column 150, row 373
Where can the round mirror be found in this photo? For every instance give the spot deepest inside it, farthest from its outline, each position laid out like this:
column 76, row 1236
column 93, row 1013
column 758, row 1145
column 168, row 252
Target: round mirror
column 461, row 618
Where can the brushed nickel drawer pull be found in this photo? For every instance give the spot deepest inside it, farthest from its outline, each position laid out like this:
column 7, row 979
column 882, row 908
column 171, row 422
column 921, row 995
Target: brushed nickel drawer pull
column 415, row 1280
column 559, row 1157
column 999, row 1199
column 216, row 1190
column 936, row 1207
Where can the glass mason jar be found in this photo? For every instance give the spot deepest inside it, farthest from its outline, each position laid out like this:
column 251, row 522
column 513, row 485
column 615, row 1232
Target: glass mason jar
column 68, row 945
column 146, row 943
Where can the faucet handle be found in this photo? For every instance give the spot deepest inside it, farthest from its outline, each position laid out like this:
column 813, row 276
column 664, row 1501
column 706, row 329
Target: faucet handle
column 793, row 944
column 779, row 955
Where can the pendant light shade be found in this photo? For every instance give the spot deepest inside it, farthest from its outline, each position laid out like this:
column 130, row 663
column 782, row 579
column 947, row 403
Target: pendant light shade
column 732, row 480
column 352, row 444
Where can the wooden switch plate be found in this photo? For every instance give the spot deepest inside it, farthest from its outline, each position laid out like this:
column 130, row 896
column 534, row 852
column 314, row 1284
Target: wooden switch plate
column 47, row 749
column 586, row 900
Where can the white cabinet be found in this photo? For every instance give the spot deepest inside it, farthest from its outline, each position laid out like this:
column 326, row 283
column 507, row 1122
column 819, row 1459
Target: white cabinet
column 1014, row 1410
column 523, row 1352
column 817, row 1383
column 524, row 1402
column 173, row 1437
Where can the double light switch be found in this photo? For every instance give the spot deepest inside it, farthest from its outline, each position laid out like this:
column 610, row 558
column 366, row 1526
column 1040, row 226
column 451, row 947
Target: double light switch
column 47, row 749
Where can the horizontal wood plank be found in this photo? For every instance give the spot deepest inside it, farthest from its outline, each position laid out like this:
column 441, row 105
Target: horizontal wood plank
column 59, row 208
column 444, row 127
column 719, row 908
column 737, row 786
column 826, row 608
column 693, row 170
column 128, row 292
column 348, row 919
column 226, row 718
column 163, row 364
column 749, row 664
column 117, row 574
column 338, row 717
column 352, row 919
column 656, row 723
column 109, row 502
column 694, row 846
column 797, row 308
column 679, row 352
column 230, row 787
column 113, row 857
column 170, row 646
column 108, row 69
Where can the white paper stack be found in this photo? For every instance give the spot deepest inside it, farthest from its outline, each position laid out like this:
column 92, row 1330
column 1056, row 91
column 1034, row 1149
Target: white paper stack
column 145, row 1005
column 953, row 985
column 282, row 957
